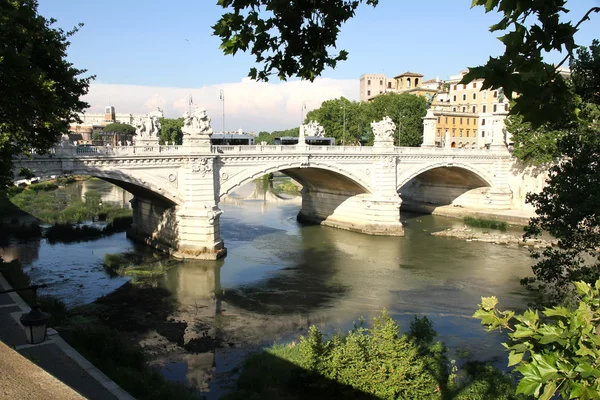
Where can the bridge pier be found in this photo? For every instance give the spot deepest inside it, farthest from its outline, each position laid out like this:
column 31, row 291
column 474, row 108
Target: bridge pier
column 363, row 213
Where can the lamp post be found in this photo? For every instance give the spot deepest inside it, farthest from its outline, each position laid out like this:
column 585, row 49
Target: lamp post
column 222, row 97
column 35, row 321
column 400, row 115
column 344, row 125
column 302, row 112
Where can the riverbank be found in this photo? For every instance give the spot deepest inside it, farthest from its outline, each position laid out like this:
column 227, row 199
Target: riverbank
column 512, row 217
column 495, row 237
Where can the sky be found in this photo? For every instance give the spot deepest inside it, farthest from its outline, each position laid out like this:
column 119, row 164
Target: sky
column 147, row 54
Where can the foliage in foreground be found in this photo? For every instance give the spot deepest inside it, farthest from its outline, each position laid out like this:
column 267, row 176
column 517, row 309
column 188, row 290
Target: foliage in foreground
column 556, row 353
column 368, row 363
column 485, row 223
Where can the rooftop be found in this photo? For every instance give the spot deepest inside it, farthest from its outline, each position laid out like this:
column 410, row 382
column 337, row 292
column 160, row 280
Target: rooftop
column 408, row 73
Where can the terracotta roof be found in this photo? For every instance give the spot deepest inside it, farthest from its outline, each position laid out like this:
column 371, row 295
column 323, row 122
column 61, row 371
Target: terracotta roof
column 431, row 81
column 408, row 73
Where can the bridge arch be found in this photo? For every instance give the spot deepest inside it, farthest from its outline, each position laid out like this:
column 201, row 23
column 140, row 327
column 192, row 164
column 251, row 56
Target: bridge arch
column 444, row 184
column 317, row 176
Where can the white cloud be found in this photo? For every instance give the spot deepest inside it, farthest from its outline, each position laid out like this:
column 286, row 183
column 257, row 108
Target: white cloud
column 253, row 106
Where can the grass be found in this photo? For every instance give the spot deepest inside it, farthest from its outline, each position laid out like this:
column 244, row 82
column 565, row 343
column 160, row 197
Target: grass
column 485, row 223
column 142, row 268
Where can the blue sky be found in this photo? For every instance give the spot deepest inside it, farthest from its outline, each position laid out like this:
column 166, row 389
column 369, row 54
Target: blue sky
column 163, row 49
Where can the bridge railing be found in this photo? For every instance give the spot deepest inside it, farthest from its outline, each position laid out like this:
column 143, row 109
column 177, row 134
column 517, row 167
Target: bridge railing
column 120, row 151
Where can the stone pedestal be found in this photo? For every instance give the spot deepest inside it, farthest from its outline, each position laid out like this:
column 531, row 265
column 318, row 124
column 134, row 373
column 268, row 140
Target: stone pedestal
column 146, row 141
column 429, row 129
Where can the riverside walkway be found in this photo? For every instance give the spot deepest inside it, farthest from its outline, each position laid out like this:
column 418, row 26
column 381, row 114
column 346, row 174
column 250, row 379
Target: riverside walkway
column 50, row 370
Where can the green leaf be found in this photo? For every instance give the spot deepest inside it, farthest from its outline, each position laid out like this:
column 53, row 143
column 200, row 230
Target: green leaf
column 549, row 390
column 529, row 386
column 515, row 358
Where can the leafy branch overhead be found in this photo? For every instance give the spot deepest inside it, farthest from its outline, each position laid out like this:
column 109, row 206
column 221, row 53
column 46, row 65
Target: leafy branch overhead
column 534, row 28
column 287, row 38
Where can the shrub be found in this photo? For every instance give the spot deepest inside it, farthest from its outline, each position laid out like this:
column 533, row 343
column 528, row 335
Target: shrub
column 66, row 233
column 373, row 363
column 485, row 223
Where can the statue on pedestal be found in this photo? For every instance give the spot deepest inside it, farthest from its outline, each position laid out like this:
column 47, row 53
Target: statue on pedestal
column 197, row 123
column 384, row 129
column 313, row 128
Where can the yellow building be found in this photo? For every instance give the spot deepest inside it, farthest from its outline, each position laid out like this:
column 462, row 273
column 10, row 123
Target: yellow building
column 462, row 129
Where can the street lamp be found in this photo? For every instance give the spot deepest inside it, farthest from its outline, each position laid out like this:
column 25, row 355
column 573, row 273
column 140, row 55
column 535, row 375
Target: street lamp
column 302, row 112
column 35, row 321
column 344, row 125
column 400, row 115
column 222, row 97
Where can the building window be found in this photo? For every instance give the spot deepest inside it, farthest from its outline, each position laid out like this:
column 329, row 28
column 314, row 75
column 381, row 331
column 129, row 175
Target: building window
column 453, row 132
column 446, row 120
column 455, row 87
column 495, row 108
column 464, row 109
column 439, row 119
column 416, row 82
column 381, row 91
column 474, row 85
column 483, row 122
column 464, row 86
column 484, row 107
column 484, row 95
column 461, row 133
column 369, row 82
column 460, row 121
column 389, row 85
column 453, row 109
column 368, row 92
column 468, row 132
column 454, row 97
column 380, row 82
column 495, row 93
column 474, row 109
column 453, row 121
column 482, row 133
column 464, row 96
column 474, row 96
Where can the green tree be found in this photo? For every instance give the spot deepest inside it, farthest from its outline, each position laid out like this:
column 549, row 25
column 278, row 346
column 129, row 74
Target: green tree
column 533, row 146
column 121, row 129
column 534, row 28
column 170, row 130
column 287, row 38
column 40, row 89
column 568, row 207
column 556, row 353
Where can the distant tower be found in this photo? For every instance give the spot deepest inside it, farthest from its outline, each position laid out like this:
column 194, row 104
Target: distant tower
column 109, row 114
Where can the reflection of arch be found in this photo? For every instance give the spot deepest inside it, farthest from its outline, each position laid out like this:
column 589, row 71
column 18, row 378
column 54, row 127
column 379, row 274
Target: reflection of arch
column 302, row 174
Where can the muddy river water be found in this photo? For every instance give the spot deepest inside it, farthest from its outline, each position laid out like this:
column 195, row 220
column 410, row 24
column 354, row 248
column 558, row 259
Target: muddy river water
column 280, row 277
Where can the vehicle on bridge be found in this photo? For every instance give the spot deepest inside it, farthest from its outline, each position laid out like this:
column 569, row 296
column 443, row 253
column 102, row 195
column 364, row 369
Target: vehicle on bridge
column 313, row 140
column 231, row 139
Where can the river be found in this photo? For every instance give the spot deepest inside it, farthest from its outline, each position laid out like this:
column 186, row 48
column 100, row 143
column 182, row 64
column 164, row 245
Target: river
column 279, row 277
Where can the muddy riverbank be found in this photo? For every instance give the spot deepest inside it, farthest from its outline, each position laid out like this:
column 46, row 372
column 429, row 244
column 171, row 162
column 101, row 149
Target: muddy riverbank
column 502, row 238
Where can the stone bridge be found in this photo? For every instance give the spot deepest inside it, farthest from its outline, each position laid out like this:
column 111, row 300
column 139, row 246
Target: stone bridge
column 177, row 189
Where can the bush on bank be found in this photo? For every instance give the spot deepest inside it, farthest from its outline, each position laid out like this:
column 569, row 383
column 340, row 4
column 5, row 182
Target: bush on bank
column 368, row 363
column 485, row 223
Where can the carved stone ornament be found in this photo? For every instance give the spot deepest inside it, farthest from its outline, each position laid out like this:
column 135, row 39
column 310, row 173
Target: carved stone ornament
column 384, row 129
column 202, row 165
column 389, row 162
column 313, row 128
column 148, row 126
column 197, row 123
